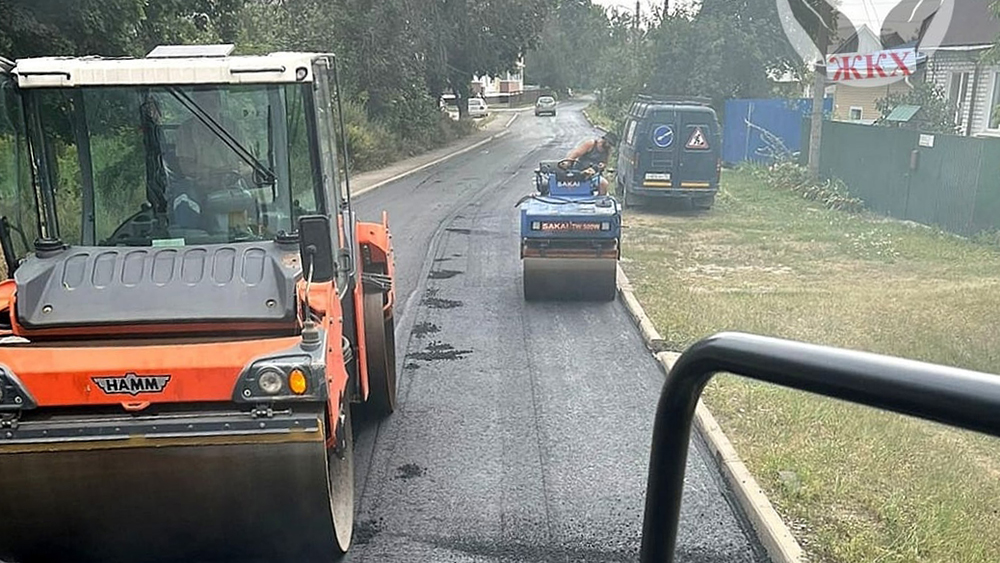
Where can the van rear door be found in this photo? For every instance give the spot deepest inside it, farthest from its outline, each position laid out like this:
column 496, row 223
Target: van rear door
column 657, row 150
column 699, row 148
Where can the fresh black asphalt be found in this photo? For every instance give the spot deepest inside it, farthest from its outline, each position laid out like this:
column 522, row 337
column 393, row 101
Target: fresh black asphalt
column 523, row 429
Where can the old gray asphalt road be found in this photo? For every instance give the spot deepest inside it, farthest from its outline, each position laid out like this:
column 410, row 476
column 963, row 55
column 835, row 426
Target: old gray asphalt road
column 523, row 429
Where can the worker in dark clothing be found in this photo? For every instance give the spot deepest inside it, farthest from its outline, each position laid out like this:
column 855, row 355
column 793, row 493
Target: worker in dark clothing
column 592, row 156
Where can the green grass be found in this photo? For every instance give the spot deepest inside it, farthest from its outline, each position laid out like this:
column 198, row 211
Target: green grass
column 599, row 118
column 855, row 484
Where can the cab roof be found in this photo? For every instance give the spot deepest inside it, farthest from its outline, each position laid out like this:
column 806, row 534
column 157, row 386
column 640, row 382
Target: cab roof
column 174, row 65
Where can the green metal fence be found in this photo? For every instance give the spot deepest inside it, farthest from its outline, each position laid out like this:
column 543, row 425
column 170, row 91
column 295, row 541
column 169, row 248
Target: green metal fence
column 944, row 180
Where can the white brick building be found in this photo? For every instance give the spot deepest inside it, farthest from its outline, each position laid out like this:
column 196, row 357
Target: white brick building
column 973, row 87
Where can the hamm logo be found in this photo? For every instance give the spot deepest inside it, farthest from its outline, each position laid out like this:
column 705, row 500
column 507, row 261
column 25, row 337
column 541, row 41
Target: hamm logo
column 132, row 384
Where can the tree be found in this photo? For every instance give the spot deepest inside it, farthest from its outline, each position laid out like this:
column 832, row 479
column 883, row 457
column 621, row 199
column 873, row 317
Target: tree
column 568, row 54
column 937, row 114
column 50, row 27
column 623, row 68
column 112, row 27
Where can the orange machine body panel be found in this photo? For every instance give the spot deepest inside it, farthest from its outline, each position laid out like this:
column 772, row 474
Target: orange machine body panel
column 377, row 241
column 62, row 375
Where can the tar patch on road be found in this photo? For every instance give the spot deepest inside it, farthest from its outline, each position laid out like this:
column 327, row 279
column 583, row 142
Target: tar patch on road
column 422, row 329
column 438, row 303
column 444, row 274
column 432, row 301
column 464, row 231
column 410, row 471
column 366, row 531
column 437, row 351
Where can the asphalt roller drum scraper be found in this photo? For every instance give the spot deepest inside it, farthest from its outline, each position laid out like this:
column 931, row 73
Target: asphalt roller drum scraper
column 570, row 236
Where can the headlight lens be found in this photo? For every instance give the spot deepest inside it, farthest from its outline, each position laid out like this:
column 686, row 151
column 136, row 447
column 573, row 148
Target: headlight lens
column 536, row 226
column 606, row 226
column 269, row 381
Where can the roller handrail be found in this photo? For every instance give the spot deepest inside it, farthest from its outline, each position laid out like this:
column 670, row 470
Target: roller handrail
column 952, row 396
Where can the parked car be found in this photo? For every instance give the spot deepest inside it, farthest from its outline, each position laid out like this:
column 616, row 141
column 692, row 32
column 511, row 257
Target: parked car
column 478, row 108
column 670, row 148
column 545, row 104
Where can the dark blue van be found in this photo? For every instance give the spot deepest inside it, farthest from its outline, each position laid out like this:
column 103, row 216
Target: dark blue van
column 671, row 147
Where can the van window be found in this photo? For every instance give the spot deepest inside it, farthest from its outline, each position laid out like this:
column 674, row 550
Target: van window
column 630, row 136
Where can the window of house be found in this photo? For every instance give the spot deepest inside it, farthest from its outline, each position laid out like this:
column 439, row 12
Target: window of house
column 994, row 106
column 957, row 92
column 857, row 113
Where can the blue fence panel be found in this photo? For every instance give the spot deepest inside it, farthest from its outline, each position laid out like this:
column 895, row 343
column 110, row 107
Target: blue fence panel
column 753, row 128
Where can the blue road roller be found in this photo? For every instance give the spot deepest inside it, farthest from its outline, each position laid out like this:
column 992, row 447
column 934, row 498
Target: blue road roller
column 570, row 235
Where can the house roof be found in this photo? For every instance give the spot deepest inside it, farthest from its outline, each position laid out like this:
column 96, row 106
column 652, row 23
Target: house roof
column 972, row 24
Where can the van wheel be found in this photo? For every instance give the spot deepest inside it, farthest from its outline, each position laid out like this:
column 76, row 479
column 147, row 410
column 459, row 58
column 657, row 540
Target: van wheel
column 627, row 201
column 703, row 203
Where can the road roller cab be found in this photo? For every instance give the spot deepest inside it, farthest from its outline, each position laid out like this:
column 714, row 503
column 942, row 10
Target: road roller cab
column 570, row 237
column 190, row 310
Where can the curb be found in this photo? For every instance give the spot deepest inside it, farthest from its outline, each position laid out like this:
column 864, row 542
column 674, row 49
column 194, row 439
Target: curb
column 594, row 125
column 435, row 162
column 777, row 539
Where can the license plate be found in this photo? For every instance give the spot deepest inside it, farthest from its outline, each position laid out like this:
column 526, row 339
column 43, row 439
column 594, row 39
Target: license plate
column 568, row 226
column 655, row 176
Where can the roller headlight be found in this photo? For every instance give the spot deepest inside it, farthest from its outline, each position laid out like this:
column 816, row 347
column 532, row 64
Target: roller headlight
column 536, row 225
column 296, row 377
column 606, row 226
column 270, row 381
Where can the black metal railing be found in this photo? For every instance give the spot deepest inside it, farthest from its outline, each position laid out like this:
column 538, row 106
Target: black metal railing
column 955, row 397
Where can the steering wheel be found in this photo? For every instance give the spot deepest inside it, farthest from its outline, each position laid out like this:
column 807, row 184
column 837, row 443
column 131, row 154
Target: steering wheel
column 573, row 162
column 139, row 225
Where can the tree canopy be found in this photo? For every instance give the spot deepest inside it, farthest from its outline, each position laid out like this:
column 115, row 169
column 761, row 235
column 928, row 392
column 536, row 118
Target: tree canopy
column 396, row 56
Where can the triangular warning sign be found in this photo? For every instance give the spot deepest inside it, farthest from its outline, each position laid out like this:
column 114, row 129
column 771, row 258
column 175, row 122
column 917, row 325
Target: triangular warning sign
column 698, row 140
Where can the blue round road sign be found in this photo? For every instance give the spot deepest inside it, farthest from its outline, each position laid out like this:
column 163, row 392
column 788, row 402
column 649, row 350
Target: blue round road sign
column 663, row 136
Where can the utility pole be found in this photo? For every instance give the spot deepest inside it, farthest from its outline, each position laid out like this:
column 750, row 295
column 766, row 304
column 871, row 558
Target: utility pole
column 635, row 32
column 819, row 89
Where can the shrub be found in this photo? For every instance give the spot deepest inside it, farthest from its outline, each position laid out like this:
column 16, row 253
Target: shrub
column 832, row 193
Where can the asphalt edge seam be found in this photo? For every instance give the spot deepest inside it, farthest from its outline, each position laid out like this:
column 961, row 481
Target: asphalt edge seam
column 772, row 531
